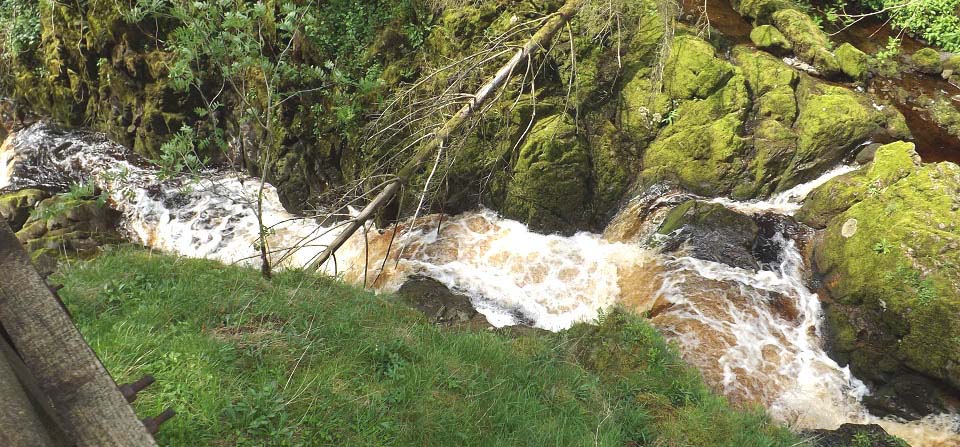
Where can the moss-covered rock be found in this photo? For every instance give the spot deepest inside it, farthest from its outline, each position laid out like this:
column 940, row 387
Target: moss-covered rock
column 692, row 70
column 891, row 263
column 15, row 207
column 549, row 189
column 768, row 37
column 69, row 226
column 775, row 145
column 702, row 148
column 810, row 43
column 946, row 114
column 927, row 60
column 831, row 123
column 760, row 10
column 771, row 84
column 710, row 231
column 891, row 163
column 853, row 62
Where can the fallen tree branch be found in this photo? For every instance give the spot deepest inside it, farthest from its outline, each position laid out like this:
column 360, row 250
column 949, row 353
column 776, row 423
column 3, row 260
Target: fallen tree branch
column 441, row 136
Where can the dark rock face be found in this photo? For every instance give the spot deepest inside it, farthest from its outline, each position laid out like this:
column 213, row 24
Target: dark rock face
column 440, row 304
column 711, row 232
column 847, row 435
column 908, row 396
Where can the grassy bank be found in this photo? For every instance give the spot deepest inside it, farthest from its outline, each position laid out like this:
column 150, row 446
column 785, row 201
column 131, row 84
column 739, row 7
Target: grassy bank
column 307, row 361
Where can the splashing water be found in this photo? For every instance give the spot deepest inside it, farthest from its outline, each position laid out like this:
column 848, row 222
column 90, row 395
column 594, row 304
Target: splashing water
column 756, row 336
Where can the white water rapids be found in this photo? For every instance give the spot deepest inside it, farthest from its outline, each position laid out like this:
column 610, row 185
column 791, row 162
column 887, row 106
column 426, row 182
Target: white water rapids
column 756, row 335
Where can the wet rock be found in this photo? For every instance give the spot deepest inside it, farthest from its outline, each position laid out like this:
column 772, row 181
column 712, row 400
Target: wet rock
column 15, row 207
column 440, row 304
column 769, row 38
column 891, row 163
column 927, row 60
column 549, row 188
column 909, row 397
column 894, row 284
column 853, row 62
column 858, row 435
column 68, row 226
column 945, row 113
column 867, row 154
column 711, row 232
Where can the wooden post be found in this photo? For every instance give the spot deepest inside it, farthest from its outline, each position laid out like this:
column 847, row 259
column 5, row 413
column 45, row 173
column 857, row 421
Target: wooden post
column 89, row 405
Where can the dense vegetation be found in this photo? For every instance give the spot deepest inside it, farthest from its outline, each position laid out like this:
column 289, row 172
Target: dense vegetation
column 306, row 361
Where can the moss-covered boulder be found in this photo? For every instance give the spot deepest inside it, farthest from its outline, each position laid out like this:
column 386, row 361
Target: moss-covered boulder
column 831, row 123
column 891, row 265
column 702, row 148
column 760, row 10
column 853, row 62
column 810, row 43
column 768, row 37
column 952, row 63
column 692, row 70
column 549, row 189
column 927, row 60
column 891, row 163
column 15, row 207
column 69, row 226
column 771, row 84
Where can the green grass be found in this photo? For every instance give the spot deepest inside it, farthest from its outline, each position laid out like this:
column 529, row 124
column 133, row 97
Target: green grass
column 305, row 361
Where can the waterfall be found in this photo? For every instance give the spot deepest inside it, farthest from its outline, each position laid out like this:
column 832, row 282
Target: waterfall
column 755, row 335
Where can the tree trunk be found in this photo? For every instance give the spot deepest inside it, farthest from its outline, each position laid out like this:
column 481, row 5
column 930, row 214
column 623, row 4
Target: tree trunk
column 538, row 41
column 85, row 397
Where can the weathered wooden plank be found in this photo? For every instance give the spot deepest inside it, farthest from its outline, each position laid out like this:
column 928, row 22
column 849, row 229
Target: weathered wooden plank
column 85, row 397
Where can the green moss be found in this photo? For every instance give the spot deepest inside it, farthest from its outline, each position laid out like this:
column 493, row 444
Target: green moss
column 853, row 62
column 768, row 37
column 643, row 108
column 891, row 163
column 927, row 60
column 771, row 83
column 692, row 70
column 15, row 207
column 809, row 42
column 775, row 145
column 911, row 286
column 549, row 186
column 832, row 121
column 760, row 10
column 945, row 113
column 952, row 63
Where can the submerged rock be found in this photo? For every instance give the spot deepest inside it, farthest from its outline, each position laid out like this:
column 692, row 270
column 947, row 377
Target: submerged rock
column 440, row 304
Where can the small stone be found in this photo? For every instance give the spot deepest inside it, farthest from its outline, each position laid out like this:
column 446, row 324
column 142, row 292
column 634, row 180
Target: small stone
column 849, row 228
column 946, row 74
column 927, row 60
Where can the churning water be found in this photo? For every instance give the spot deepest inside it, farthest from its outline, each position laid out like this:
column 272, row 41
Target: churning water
column 755, row 335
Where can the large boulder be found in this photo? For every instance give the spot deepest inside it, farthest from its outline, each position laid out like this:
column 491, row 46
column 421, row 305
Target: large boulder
column 440, row 304
column 771, row 84
column 810, row 43
column 693, row 69
column 760, row 10
column 710, row 231
column 549, row 189
column 891, row 162
column 853, row 62
column 831, row 123
column 890, row 263
column 69, row 225
column 769, row 38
